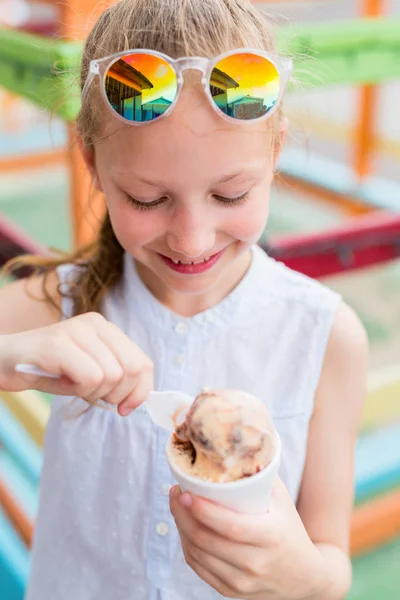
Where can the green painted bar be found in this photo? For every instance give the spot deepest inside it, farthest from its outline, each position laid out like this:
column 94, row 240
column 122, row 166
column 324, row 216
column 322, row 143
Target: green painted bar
column 42, row 70
column 350, row 52
column 376, row 574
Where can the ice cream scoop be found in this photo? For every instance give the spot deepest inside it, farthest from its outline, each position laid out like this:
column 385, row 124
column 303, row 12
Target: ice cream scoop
column 227, row 435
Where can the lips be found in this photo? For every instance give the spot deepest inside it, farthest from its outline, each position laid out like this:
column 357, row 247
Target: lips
column 192, row 267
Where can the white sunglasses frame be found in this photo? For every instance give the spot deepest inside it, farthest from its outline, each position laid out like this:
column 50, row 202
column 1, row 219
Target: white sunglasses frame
column 99, row 67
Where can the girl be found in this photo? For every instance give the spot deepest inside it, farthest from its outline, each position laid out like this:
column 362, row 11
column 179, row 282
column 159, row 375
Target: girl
column 174, row 294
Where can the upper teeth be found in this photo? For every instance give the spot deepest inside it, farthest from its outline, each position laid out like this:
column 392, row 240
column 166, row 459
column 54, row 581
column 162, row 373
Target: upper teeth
column 196, row 262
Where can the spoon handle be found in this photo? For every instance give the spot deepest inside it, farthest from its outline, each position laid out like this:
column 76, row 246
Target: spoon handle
column 29, row 369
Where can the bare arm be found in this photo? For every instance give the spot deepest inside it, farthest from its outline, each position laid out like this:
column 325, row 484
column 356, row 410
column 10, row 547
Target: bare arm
column 23, row 306
column 326, row 496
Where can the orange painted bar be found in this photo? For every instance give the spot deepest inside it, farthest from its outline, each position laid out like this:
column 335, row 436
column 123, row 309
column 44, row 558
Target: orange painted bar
column 76, row 17
column 364, row 141
column 375, row 523
column 32, row 161
column 86, row 207
column 15, row 514
column 345, row 203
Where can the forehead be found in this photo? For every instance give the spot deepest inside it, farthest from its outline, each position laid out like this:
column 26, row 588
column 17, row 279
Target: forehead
column 193, row 134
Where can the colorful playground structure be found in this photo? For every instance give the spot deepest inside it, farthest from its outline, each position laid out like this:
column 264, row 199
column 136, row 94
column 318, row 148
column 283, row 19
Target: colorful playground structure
column 362, row 52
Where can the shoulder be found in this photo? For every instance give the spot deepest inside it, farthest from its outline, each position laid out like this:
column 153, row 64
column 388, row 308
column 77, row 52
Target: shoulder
column 30, row 303
column 348, row 342
column 280, row 282
column 283, row 282
column 345, row 366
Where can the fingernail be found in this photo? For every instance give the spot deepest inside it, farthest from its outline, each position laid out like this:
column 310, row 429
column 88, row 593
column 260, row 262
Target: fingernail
column 186, row 500
column 172, row 491
column 124, row 411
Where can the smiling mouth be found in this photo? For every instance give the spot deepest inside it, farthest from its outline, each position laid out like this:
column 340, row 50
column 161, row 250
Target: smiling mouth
column 192, row 267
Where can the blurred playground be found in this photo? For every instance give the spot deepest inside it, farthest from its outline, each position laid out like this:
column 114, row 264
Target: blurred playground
column 335, row 215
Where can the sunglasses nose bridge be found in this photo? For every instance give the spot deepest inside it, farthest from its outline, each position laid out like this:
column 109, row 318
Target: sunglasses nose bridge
column 194, row 63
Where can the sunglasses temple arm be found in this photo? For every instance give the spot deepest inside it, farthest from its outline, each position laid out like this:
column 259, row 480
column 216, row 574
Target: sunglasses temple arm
column 88, row 83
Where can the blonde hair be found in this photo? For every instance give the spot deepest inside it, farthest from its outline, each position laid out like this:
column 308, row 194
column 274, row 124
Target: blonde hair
column 177, row 28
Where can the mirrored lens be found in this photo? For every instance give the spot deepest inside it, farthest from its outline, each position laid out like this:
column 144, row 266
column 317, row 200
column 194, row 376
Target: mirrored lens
column 140, row 87
column 245, row 86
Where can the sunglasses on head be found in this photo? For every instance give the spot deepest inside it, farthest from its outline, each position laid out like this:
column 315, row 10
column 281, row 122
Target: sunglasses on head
column 140, row 86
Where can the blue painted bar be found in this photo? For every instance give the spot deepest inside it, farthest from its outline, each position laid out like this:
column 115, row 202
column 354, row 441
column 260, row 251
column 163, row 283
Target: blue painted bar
column 14, row 562
column 376, row 192
column 378, row 461
column 24, row 492
column 19, row 444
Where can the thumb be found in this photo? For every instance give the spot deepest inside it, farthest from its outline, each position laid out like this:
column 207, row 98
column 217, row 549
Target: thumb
column 280, row 497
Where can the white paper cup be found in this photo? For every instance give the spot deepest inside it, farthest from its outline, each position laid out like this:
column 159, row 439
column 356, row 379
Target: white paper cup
column 250, row 495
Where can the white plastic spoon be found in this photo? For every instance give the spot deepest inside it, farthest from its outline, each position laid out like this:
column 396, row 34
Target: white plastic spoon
column 163, row 407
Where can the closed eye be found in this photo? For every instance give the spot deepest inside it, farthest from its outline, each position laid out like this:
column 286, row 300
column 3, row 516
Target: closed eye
column 145, row 205
column 232, row 201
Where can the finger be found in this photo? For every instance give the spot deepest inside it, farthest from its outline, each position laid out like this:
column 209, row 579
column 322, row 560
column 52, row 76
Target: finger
column 237, row 580
column 77, row 369
column 238, row 555
column 126, row 388
column 183, row 517
column 133, row 360
column 60, row 387
column 137, row 381
column 215, row 582
column 138, row 395
column 280, row 496
column 112, row 372
column 240, row 528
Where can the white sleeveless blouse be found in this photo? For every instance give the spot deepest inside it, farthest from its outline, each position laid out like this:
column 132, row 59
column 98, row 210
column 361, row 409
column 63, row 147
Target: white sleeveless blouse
column 104, row 529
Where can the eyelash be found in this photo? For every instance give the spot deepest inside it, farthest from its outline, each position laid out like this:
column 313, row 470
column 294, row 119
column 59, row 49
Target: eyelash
column 150, row 205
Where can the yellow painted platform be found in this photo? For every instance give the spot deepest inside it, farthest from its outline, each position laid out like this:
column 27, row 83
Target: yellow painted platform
column 31, row 410
column 383, row 401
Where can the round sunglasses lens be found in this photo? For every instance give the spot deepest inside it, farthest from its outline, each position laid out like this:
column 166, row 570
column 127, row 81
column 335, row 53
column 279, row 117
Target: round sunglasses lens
column 140, row 87
column 245, row 86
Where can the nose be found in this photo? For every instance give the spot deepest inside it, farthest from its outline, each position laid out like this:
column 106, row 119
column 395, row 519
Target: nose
column 191, row 233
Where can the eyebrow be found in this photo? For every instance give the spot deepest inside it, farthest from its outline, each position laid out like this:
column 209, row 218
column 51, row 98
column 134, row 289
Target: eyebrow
column 231, row 176
column 224, row 179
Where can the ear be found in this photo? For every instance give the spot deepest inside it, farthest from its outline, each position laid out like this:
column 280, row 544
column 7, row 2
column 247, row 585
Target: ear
column 90, row 161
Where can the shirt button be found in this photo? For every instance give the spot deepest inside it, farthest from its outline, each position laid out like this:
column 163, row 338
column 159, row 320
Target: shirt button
column 165, row 488
column 179, row 359
column 162, row 528
column 181, row 328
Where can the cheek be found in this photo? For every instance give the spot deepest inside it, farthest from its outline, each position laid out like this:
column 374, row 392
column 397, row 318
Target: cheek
column 134, row 228
column 247, row 223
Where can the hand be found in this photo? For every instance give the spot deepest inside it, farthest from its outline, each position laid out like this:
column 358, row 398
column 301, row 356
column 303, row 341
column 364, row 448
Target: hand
column 256, row 557
column 94, row 358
